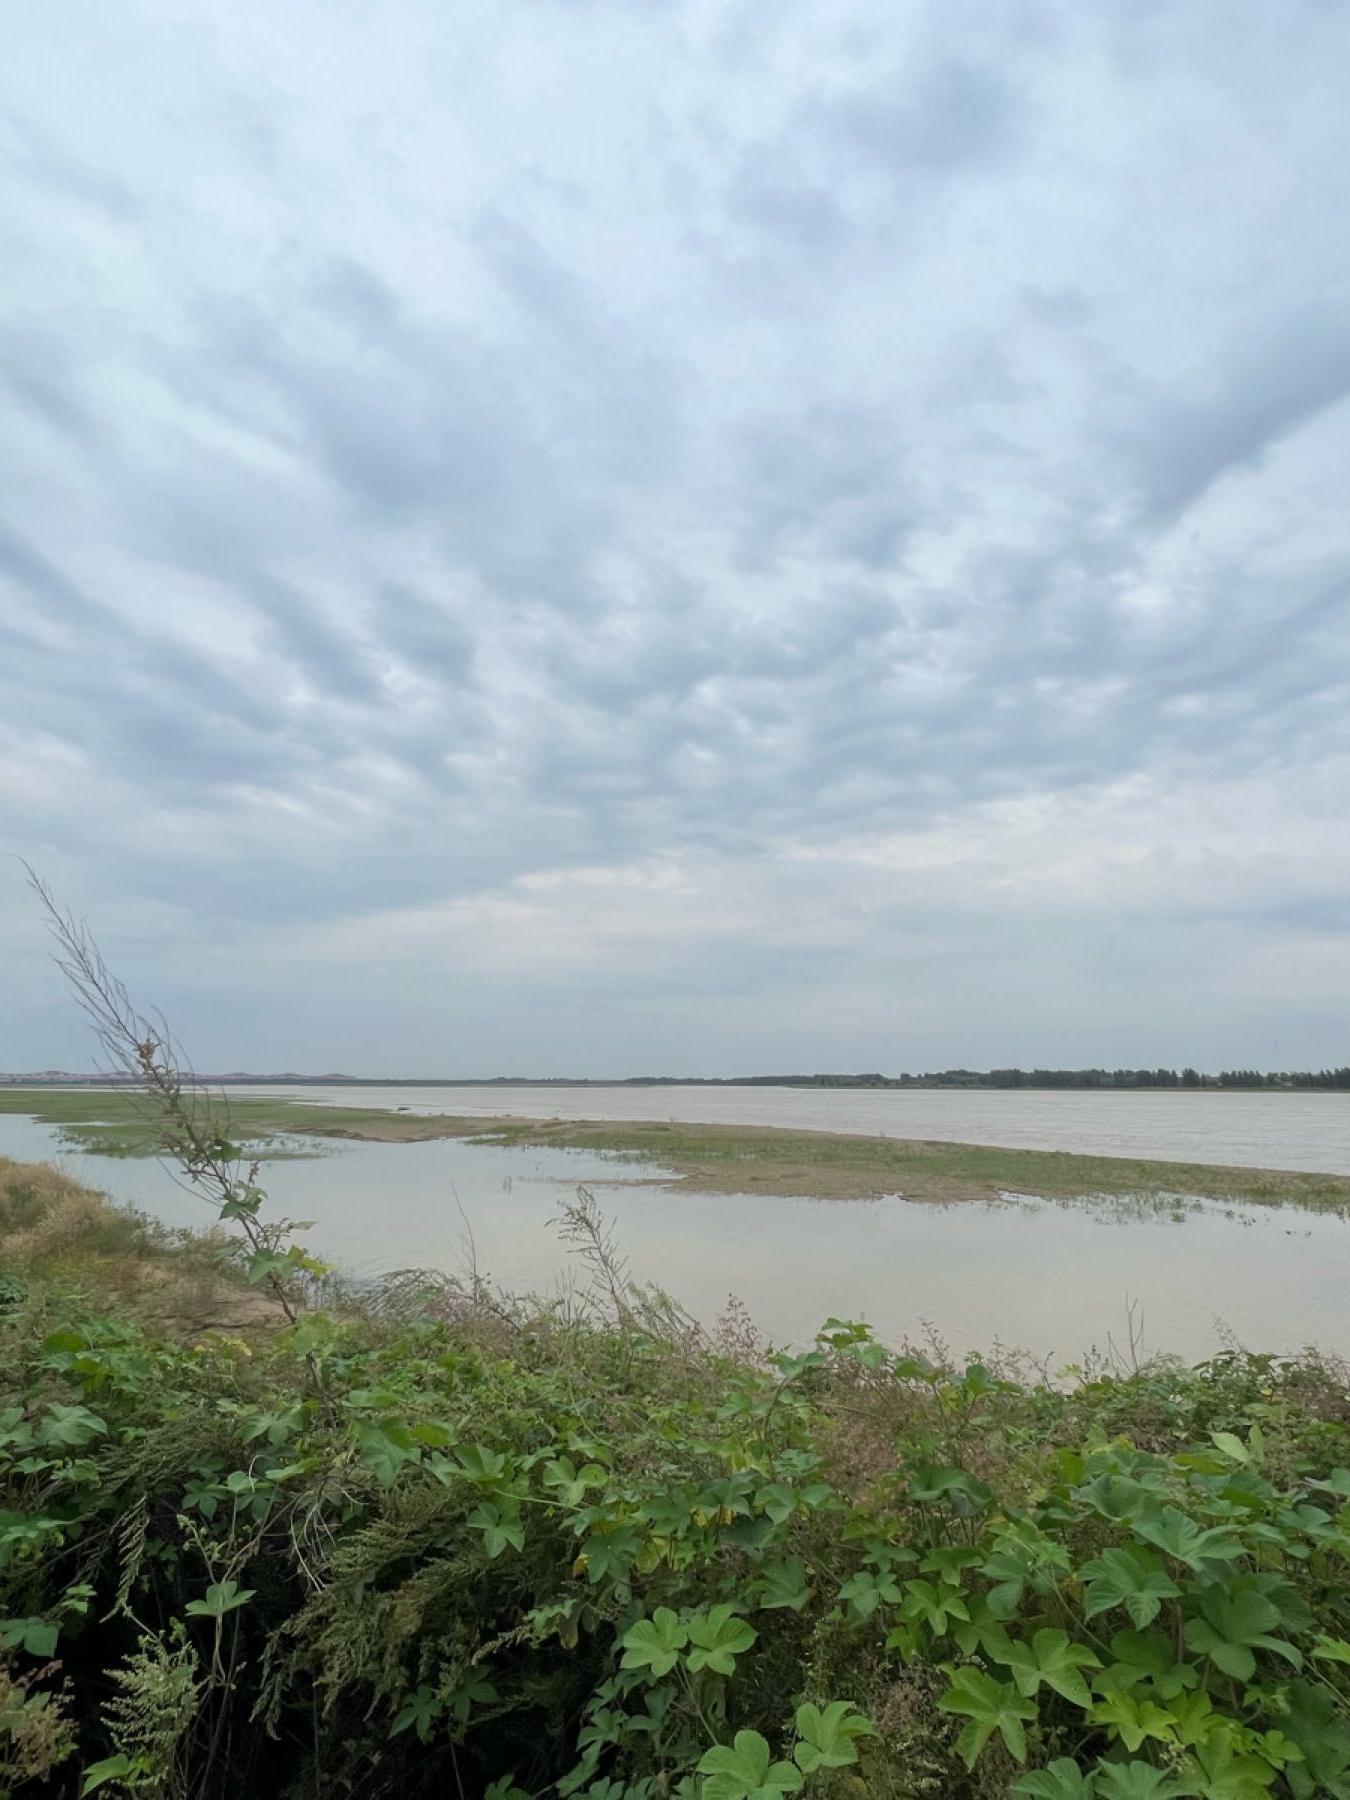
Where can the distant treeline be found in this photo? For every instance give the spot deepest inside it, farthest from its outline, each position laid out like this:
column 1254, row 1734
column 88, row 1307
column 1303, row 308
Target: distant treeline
column 1032, row 1078
column 1286, row 1079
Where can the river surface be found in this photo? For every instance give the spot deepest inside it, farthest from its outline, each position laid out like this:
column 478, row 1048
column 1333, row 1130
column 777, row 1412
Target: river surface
column 1054, row 1278
column 1253, row 1130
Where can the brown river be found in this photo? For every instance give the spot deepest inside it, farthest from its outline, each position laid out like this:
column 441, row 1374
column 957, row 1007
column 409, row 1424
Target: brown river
column 1053, row 1278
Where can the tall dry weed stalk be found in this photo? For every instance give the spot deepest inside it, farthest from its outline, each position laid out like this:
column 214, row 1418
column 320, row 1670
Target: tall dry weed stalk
column 191, row 1127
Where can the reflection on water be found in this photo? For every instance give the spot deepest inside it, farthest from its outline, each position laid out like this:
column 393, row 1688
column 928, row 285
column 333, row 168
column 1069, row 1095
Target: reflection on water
column 1052, row 1277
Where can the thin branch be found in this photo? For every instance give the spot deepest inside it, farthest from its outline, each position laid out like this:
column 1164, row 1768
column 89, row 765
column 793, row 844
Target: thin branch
column 141, row 1053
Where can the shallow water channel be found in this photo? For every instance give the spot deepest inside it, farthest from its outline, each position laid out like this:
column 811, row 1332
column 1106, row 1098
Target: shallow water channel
column 1054, row 1278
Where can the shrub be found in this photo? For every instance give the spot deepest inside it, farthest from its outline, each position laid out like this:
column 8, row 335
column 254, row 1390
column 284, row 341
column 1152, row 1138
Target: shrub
column 508, row 1551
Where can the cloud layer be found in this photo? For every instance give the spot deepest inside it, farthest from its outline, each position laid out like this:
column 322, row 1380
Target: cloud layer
column 575, row 536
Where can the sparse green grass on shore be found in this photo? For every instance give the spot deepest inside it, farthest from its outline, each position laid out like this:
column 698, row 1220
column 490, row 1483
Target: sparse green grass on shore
column 830, row 1165
column 121, row 1122
column 707, row 1158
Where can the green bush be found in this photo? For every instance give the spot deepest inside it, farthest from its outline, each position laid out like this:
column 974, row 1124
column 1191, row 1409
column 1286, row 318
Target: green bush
column 508, row 1554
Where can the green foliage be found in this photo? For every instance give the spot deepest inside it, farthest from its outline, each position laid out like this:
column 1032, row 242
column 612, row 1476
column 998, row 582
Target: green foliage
column 221, row 1597
column 990, row 1706
column 123, row 1770
column 827, row 1738
column 548, row 1558
column 1060, row 1780
column 156, row 1692
column 1235, row 1622
column 1051, row 1660
column 655, row 1644
column 36, row 1636
column 745, row 1771
column 718, row 1638
column 1133, row 1579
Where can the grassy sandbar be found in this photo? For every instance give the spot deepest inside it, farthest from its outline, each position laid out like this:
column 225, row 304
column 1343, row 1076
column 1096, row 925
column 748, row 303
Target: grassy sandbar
column 707, row 1158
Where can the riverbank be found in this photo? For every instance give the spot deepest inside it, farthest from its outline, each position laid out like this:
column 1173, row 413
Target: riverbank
column 55, row 1230
column 707, row 1158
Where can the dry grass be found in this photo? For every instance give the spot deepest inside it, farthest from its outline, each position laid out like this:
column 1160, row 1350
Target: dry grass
column 180, row 1282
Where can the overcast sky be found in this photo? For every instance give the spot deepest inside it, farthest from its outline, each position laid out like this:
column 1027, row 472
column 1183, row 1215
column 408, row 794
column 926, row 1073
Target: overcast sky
column 580, row 536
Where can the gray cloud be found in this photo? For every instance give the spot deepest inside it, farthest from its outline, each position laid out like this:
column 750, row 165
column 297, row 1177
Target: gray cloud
column 1254, row 396
column 696, row 449
column 38, row 157
column 957, row 116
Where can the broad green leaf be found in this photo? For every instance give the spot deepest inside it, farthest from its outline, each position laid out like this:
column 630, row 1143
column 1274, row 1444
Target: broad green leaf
column 505, row 1789
column 935, row 1604
column 35, row 1635
column 745, row 1771
column 884, row 1555
column 1131, row 1579
column 783, row 1584
column 481, row 1464
column 950, row 1561
column 1051, row 1659
column 1229, row 1774
column 243, row 1203
column 263, row 1263
column 1115, row 1497
column 500, row 1526
column 433, row 1434
column 72, row 1426
column 1148, row 1656
column 1009, row 1575
column 1132, row 1718
column 1183, row 1539
column 718, row 1637
column 1276, row 1748
column 869, row 1589
column 473, row 1690
column 982, row 1631
column 570, row 1484
column 1193, row 1717
column 964, row 1493
column 1059, row 1780
column 1230, row 1446
column 419, row 1713
column 750, row 1534
column 610, row 1553
column 291, row 1470
column 825, row 1738
column 123, row 1768
column 221, row 1597
column 655, row 1643
column 990, row 1706
column 777, row 1500
column 1137, row 1781
column 1332, row 1650
column 1235, row 1622
column 1312, row 1721
column 790, row 1367
column 1025, row 1556
column 385, row 1448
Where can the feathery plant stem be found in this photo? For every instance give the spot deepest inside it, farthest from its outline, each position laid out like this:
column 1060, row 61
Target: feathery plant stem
column 191, row 1126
